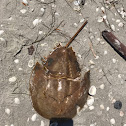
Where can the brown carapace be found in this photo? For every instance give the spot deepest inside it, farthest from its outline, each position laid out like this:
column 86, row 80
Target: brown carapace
column 56, row 87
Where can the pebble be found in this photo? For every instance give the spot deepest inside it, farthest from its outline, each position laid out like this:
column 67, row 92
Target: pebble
column 97, row 57
column 102, row 86
column 16, row 60
column 77, row 8
column 23, row 11
column 117, row 20
column 7, row 110
column 30, row 63
column 33, row 118
column 12, row 79
column 17, row 101
column 90, row 101
column 37, row 21
column 119, row 76
column 12, row 125
column 118, row 105
column 91, row 107
column 92, row 90
column 20, row 69
column 112, row 121
column 1, row 32
column 98, row 39
column 42, row 123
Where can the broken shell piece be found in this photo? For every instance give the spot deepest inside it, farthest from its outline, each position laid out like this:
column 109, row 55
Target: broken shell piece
column 91, row 107
column 1, row 32
column 33, row 118
column 17, row 101
column 112, row 121
column 25, row 2
column 37, row 21
column 30, row 63
column 90, row 101
column 92, row 90
column 7, row 110
column 113, row 27
column 102, row 86
column 23, row 11
column 100, row 19
column 12, row 79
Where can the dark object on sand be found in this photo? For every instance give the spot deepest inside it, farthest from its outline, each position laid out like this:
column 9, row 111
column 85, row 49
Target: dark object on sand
column 31, row 50
column 82, row 2
column 56, row 87
column 118, row 105
column 115, row 43
column 67, row 122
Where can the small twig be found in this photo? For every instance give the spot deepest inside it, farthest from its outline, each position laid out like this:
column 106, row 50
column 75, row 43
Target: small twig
column 91, row 48
column 76, row 34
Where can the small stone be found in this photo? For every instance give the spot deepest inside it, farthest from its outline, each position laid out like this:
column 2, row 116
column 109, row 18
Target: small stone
column 102, row 42
column 92, row 90
column 42, row 123
column 23, row 11
column 112, row 121
column 77, row 8
column 91, row 107
column 12, row 125
column 1, row 32
column 33, row 118
column 17, row 101
column 40, row 32
column 102, row 106
column 100, row 70
column 121, row 113
column 124, row 125
column 30, row 63
column 12, row 79
column 90, row 101
column 7, row 110
column 102, row 86
column 118, row 105
column 16, row 60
